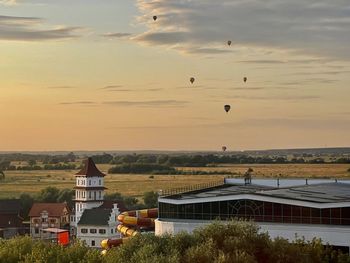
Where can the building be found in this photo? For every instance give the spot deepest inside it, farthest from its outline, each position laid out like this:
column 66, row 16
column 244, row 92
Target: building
column 94, row 218
column 98, row 224
column 308, row 210
column 48, row 215
column 89, row 189
column 10, row 218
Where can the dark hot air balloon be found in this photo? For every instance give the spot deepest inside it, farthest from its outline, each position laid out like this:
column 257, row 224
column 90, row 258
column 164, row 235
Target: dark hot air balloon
column 224, row 148
column 245, row 79
column 155, row 18
column 227, row 108
column 192, row 80
column 229, row 42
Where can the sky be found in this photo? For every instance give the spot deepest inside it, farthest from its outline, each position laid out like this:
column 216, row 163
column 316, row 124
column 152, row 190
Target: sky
column 103, row 75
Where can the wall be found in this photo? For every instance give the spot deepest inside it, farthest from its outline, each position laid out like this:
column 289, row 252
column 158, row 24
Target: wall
column 334, row 235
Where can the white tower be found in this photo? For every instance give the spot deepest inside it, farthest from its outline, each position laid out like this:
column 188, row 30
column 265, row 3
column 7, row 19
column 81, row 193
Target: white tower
column 89, row 189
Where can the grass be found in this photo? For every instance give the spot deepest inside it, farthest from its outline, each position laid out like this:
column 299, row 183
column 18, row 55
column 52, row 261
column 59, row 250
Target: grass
column 18, row 182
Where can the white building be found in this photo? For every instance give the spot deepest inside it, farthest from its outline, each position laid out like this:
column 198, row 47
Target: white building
column 98, row 224
column 93, row 219
column 89, row 189
column 320, row 210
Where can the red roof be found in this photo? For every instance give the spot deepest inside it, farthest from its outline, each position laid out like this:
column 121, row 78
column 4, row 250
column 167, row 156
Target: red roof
column 53, row 209
column 90, row 169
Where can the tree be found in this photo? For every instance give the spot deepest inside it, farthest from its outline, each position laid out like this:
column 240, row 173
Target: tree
column 49, row 194
column 114, row 196
column 66, row 195
column 26, row 201
column 31, row 162
column 150, row 199
column 2, row 175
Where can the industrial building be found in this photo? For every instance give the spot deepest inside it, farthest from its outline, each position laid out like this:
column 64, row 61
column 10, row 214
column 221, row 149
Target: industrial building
column 283, row 208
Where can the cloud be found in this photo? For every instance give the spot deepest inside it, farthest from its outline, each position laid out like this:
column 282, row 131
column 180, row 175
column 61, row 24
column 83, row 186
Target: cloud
column 320, row 28
column 292, row 98
column 15, row 28
column 79, row 103
column 116, row 88
column 61, row 87
column 8, row 2
column 117, row 35
column 150, row 103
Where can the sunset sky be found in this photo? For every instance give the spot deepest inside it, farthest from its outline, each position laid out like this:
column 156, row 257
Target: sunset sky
column 103, row 75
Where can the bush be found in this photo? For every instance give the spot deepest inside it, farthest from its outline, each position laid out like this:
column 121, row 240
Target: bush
column 140, row 168
column 236, row 241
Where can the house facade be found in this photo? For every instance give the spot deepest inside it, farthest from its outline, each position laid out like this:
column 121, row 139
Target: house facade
column 48, row 215
column 98, row 224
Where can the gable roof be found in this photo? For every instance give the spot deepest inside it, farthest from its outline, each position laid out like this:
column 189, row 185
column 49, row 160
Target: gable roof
column 95, row 217
column 53, row 209
column 10, row 206
column 89, row 169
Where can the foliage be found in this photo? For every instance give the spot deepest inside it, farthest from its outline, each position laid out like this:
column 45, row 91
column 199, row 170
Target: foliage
column 2, row 175
column 26, row 250
column 102, row 158
column 150, row 199
column 236, row 241
column 145, row 168
column 46, row 195
column 129, row 201
column 140, row 168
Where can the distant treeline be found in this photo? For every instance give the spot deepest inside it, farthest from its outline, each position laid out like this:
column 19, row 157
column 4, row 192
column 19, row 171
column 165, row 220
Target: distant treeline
column 43, row 158
column 209, row 160
column 63, row 162
column 59, row 166
column 145, row 168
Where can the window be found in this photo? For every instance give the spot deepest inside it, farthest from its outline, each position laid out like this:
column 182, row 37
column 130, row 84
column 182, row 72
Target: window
column 99, row 181
column 93, row 231
column 99, row 194
column 44, row 219
column 89, row 182
column 89, row 195
column 112, row 231
column 53, row 221
column 36, row 230
column 92, row 243
column 102, row 231
column 84, row 231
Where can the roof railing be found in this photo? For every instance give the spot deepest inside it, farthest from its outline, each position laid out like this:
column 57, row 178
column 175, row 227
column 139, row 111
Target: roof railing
column 189, row 188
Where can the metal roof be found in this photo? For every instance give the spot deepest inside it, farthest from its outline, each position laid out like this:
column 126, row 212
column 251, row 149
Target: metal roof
column 317, row 193
column 95, row 217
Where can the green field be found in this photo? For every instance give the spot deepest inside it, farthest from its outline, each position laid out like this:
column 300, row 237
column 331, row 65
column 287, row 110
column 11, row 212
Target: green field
column 18, row 182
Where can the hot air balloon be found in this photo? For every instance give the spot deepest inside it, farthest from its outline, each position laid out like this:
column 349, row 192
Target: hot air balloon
column 192, row 80
column 227, row 108
column 224, row 148
column 229, row 42
column 245, row 79
column 154, row 18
